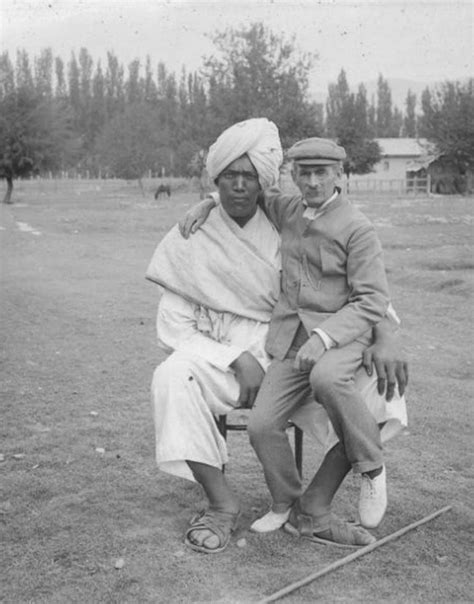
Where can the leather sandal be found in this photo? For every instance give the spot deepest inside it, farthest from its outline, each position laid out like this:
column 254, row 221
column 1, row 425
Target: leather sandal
column 220, row 524
column 327, row 529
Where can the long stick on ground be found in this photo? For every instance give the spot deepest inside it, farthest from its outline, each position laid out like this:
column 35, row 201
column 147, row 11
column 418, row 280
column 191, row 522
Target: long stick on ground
column 360, row 552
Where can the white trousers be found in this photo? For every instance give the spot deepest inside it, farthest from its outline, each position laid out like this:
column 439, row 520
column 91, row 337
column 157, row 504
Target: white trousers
column 187, row 393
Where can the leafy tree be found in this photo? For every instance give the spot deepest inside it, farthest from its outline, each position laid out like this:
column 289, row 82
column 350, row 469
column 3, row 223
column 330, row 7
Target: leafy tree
column 24, row 77
column 35, row 135
column 129, row 144
column 44, row 74
column 197, row 110
column 348, row 122
column 114, row 86
column 74, row 90
column 7, row 76
column 409, row 121
column 61, row 89
column 257, row 73
column 448, row 120
column 150, row 91
column 397, row 123
column 132, row 85
column 339, row 106
column 85, row 126
column 98, row 101
column 384, row 108
column 371, row 119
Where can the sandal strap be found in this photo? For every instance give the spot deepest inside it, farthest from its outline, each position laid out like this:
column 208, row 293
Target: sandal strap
column 341, row 532
column 219, row 523
column 307, row 524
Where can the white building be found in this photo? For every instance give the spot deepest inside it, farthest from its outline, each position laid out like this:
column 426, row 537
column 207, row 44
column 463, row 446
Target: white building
column 402, row 158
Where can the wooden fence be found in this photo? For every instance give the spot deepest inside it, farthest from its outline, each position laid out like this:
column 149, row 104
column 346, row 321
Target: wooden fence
column 352, row 186
column 389, row 186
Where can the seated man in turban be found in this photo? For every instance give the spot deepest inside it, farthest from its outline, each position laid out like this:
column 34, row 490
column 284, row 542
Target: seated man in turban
column 220, row 287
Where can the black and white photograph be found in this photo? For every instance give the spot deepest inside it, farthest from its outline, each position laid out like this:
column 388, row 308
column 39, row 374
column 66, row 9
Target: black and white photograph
column 236, row 301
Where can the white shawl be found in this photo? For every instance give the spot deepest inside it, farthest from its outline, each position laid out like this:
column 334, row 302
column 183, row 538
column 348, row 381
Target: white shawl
column 217, row 267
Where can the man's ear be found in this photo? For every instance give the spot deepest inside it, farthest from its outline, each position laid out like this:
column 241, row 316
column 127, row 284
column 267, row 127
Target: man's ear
column 339, row 172
column 294, row 171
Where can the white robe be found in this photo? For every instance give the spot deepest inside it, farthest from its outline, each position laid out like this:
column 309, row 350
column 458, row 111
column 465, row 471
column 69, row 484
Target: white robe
column 195, row 383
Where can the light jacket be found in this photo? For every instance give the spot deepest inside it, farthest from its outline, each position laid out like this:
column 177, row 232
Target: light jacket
column 333, row 275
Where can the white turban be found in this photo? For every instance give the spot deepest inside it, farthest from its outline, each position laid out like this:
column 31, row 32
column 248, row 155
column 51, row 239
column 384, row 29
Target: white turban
column 258, row 138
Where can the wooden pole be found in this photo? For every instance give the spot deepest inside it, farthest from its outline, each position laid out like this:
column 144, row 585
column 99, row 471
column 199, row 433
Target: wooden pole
column 360, row 552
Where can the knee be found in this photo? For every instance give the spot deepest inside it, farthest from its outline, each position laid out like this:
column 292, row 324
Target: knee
column 324, row 379
column 175, row 368
column 262, row 428
column 255, row 428
column 258, row 428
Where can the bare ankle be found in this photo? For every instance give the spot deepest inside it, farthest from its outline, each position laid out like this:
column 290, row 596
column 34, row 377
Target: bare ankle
column 228, row 507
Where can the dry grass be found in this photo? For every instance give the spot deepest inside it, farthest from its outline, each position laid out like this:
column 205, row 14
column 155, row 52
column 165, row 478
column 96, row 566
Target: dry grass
column 78, row 337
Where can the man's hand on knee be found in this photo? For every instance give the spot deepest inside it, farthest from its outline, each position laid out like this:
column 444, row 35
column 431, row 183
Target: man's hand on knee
column 249, row 374
column 390, row 364
column 309, row 354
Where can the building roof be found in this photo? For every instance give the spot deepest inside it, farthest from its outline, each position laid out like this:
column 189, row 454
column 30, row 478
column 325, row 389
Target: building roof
column 405, row 147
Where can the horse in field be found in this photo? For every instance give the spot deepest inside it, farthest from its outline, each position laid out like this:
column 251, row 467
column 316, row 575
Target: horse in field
column 163, row 190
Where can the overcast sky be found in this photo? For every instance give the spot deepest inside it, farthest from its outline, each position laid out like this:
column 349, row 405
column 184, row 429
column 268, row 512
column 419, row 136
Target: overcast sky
column 419, row 40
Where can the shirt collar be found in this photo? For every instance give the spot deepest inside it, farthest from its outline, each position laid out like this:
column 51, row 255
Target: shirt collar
column 312, row 213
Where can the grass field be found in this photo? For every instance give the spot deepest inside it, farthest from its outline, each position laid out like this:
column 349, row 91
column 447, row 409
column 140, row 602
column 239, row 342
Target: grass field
column 79, row 489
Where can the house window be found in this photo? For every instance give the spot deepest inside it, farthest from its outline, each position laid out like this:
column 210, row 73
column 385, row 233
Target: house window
column 386, row 165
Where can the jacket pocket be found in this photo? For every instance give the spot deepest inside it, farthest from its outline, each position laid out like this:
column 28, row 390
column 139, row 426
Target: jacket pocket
column 333, row 260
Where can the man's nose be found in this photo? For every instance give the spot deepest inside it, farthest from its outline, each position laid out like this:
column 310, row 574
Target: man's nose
column 313, row 180
column 239, row 181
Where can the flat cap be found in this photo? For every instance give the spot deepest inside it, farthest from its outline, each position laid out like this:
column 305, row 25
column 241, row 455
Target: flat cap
column 316, row 151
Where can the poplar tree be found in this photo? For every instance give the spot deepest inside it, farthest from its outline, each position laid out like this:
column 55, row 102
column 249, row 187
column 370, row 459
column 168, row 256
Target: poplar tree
column 409, row 122
column 384, row 115
column 348, row 122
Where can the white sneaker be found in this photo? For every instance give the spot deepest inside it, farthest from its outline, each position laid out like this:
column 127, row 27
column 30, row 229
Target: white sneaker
column 373, row 499
column 272, row 521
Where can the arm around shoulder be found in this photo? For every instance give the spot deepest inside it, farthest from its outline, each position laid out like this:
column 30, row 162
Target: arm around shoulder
column 196, row 216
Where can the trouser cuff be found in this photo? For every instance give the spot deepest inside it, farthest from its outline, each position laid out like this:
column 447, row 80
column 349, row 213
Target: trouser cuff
column 361, row 467
column 281, row 508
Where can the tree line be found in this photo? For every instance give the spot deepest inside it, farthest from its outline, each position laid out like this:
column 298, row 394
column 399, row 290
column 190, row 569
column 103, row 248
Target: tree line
column 108, row 120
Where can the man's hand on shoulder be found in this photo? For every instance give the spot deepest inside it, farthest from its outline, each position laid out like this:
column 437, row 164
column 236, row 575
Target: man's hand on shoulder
column 309, row 354
column 249, row 374
column 390, row 364
column 196, row 217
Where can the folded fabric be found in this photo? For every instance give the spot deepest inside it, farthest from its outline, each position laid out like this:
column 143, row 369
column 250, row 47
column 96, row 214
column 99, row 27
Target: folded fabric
column 202, row 270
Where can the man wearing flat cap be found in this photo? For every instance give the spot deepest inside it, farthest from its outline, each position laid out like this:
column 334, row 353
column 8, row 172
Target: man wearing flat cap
column 333, row 293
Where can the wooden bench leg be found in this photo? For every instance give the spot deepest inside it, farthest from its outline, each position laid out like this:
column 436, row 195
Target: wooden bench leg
column 221, row 422
column 299, row 450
